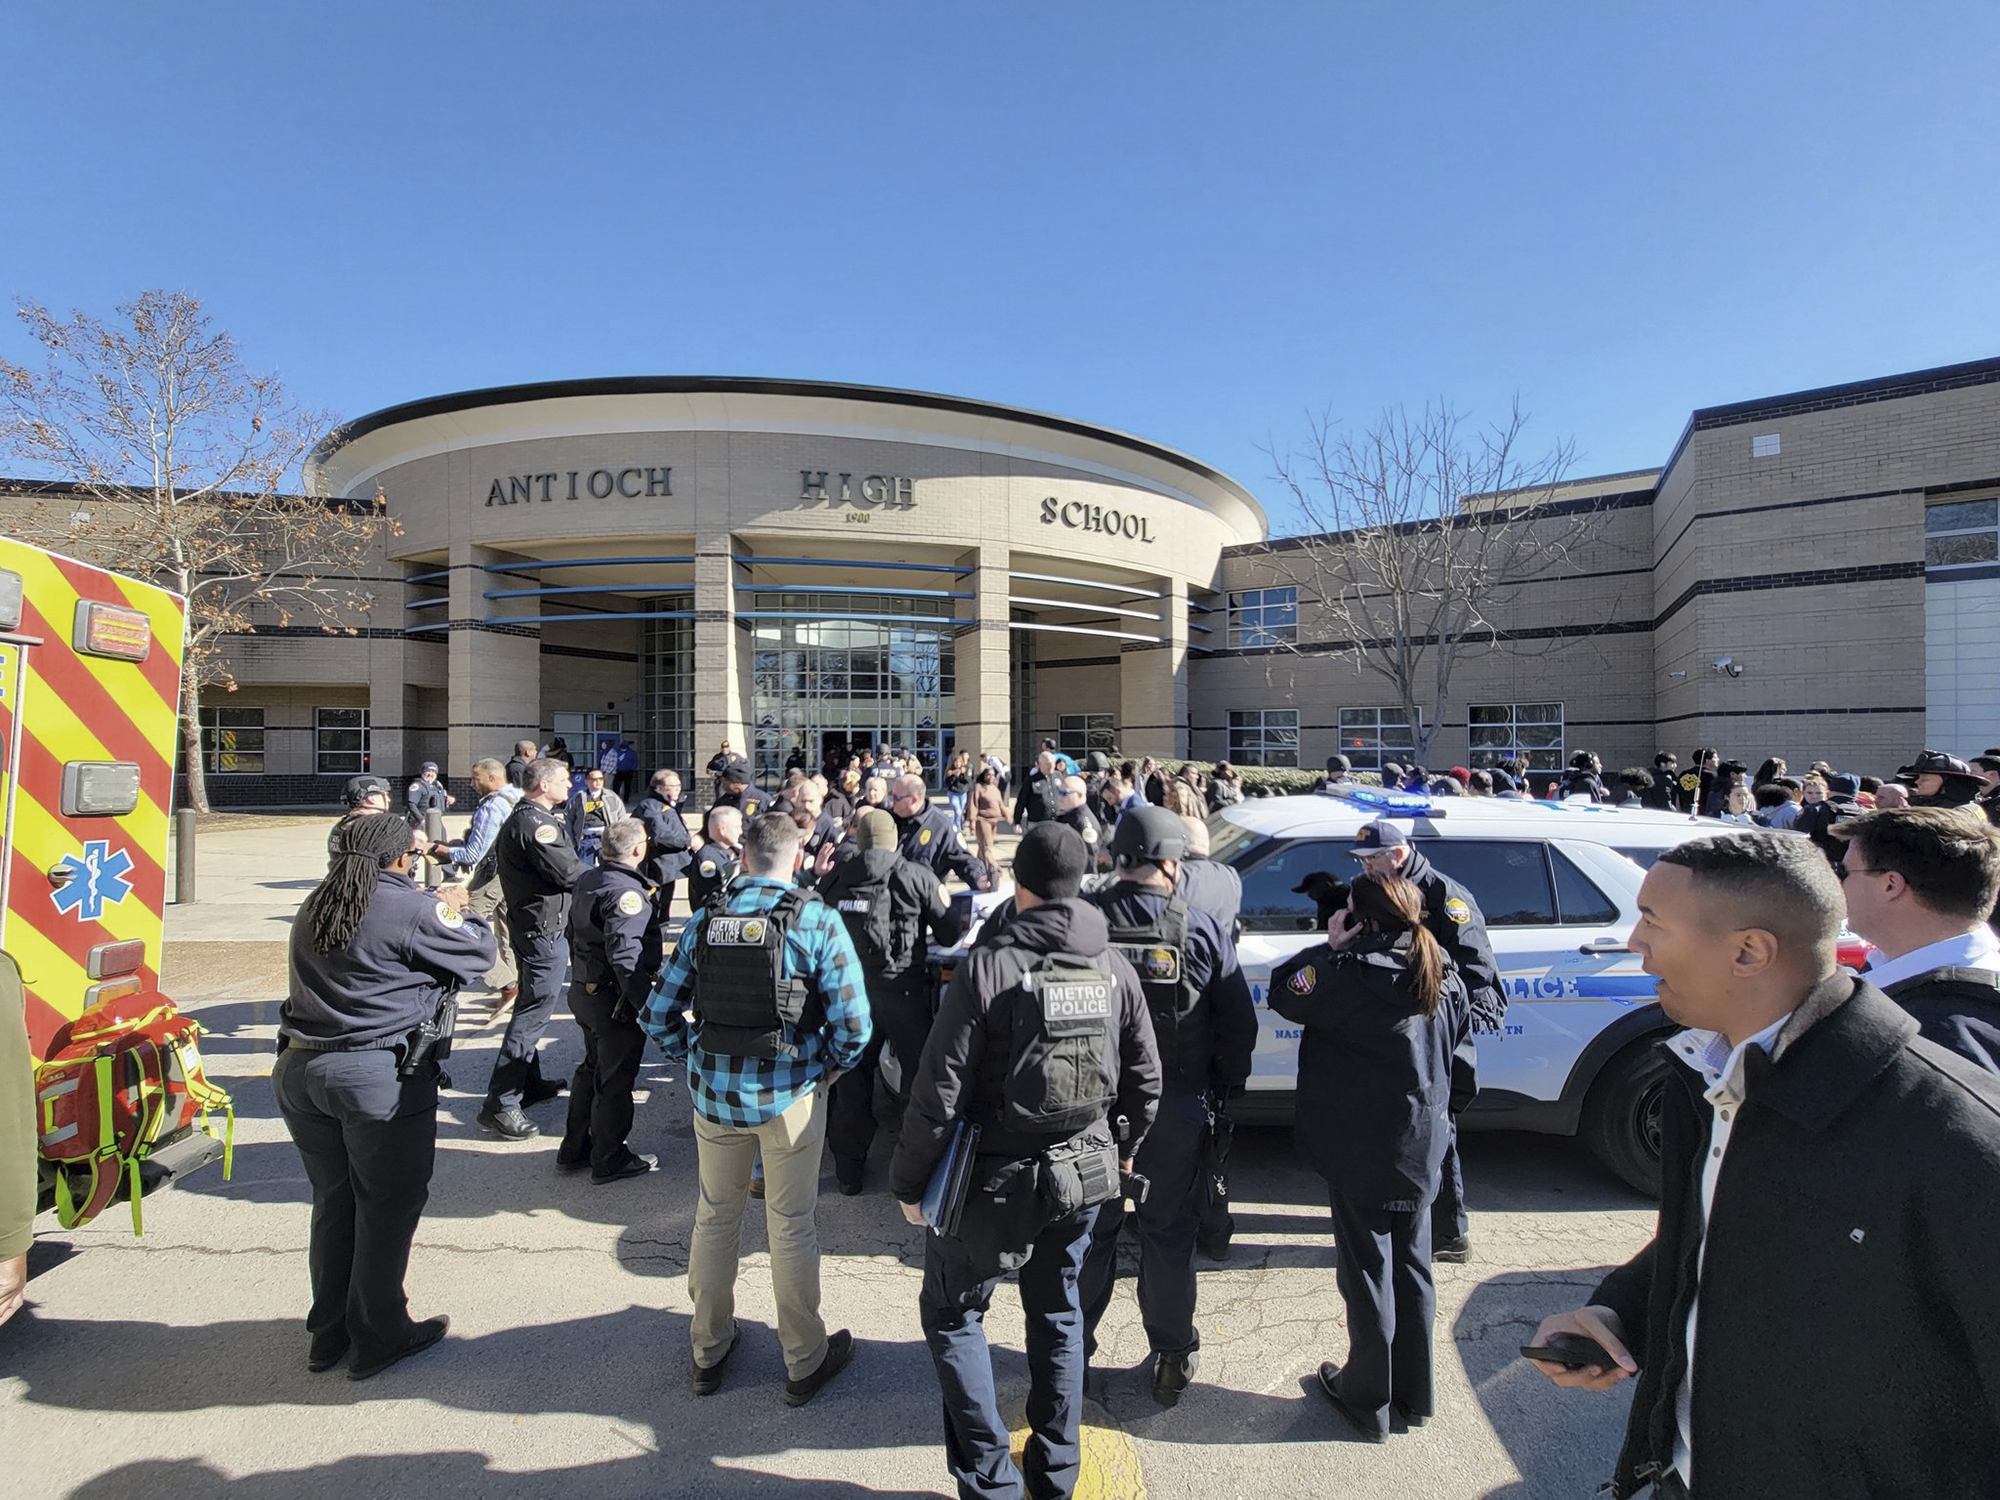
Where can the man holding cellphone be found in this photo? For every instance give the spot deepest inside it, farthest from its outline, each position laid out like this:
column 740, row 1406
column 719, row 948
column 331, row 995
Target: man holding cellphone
column 1816, row 1314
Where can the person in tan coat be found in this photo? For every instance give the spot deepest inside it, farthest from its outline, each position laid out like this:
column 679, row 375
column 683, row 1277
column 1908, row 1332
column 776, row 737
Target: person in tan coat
column 988, row 808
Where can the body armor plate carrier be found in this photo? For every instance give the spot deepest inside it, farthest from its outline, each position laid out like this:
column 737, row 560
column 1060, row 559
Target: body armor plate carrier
column 746, row 1004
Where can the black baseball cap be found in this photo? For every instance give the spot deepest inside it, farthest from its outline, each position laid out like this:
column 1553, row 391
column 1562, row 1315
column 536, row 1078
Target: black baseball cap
column 1380, row 834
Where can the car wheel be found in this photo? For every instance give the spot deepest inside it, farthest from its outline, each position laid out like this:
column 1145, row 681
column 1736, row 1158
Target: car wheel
column 1621, row 1116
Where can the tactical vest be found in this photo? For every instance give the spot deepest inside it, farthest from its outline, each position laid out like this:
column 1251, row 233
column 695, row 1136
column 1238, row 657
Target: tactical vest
column 867, row 911
column 1053, row 1077
column 745, row 1002
column 1158, row 952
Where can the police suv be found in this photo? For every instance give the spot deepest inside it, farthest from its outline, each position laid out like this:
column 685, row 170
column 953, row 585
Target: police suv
column 1558, row 883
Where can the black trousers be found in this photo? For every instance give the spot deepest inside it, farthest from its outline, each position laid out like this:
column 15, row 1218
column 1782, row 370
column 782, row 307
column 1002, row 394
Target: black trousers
column 600, row 1091
column 1384, row 1276
column 1171, row 1159
column 544, row 963
column 901, row 1019
column 1448, row 1220
column 369, row 1140
column 952, row 1309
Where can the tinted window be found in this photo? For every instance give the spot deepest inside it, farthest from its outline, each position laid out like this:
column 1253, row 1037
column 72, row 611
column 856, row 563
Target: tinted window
column 1579, row 898
column 1269, row 902
column 1643, row 858
column 1509, row 879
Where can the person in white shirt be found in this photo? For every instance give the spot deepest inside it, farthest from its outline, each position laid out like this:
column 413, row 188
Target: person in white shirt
column 1920, row 885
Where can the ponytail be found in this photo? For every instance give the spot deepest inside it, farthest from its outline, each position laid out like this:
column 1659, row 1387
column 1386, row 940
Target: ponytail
column 1395, row 906
column 332, row 913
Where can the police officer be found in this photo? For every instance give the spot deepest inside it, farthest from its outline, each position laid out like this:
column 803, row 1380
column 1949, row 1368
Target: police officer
column 426, row 801
column 609, row 915
column 763, row 999
column 734, row 789
column 1074, row 812
column 1454, row 919
column 1042, row 1037
column 929, row 835
column 365, row 796
column 592, row 808
column 669, row 844
column 1207, row 1029
column 372, row 957
column 538, row 868
column 720, row 857
column 890, row 905
column 1215, row 888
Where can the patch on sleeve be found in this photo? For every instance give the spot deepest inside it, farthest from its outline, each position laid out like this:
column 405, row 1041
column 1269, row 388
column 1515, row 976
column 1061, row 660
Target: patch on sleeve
column 450, row 915
column 631, row 903
column 708, row 867
column 545, row 833
column 1457, row 910
column 1303, row 980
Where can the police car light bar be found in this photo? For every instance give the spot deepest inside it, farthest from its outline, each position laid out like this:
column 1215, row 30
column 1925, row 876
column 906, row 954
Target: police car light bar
column 1388, row 804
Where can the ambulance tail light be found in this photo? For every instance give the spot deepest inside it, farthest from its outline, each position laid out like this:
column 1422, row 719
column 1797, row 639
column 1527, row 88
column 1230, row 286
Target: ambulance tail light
column 112, row 989
column 114, row 960
column 109, row 630
column 99, row 788
column 10, row 600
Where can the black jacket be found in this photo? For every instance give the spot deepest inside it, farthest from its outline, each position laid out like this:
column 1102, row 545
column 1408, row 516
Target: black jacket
column 408, row 951
column 1959, row 1009
column 931, row 838
column 946, row 1084
column 917, row 907
column 608, row 921
column 538, row 867
column 1037, row 801
column 517, row 769
column 1456, row 921
column 1219, row 1034
column 1849, row 1338
column 1374, row 1095
column 667, row 839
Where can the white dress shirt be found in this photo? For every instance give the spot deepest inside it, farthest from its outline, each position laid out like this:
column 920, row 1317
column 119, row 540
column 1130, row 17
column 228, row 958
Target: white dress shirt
column 1721, row 1069
column 1977, row 949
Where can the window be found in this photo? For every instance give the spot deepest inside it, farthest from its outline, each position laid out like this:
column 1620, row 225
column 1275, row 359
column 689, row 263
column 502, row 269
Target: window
column 232, row 740
column 1264, row 617
column 1765, row 445
column 340, row 741
column 1508, row 879
column 1263, row 736
column 1369, row 736
column 1958, row 532
column 1582, row 903
column 1270, row 904
column 1533, row 731
column 1079, row 734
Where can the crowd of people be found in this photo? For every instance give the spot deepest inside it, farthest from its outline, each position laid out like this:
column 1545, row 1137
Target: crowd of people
column 1083, row 1055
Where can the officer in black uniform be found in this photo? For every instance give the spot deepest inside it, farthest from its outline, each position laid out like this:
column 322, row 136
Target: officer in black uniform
column 720, row 857
column 1074, row 812
column 929, row 835
column 609, row 916
column 669, row 847
column 372, row 957
column 1454, row 919
column 538, row 868
column 1207, row 1030
column 365, row 796
column 426, row 801
column 735, row 790
column 1042, row 1038
column 890, row 906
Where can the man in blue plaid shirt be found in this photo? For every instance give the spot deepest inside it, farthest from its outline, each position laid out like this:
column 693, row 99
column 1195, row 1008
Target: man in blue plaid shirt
column 744, row 1103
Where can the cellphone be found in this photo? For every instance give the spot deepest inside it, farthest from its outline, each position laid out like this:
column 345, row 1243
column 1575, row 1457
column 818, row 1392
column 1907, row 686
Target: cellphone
column 1572, row 1351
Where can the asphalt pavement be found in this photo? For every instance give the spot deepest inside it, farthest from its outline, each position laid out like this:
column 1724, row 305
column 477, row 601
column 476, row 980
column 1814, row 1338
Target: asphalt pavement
column 175, row 1364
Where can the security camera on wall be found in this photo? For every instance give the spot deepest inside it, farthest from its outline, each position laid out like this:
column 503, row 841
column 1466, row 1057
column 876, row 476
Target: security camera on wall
column 1728, row 666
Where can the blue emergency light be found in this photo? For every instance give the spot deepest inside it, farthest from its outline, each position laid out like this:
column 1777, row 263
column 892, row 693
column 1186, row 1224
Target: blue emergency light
column 1387, row 804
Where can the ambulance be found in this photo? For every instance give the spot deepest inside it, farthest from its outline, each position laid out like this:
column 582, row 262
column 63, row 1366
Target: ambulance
column 90, row 672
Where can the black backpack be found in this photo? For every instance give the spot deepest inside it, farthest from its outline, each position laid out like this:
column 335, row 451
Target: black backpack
column 1058, row 1063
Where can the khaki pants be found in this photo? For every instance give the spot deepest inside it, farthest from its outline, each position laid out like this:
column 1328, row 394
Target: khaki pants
column 486, row 901
column 791, row 1145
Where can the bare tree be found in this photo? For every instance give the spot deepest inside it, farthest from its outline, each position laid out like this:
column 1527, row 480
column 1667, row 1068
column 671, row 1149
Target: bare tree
column 171, row 462
column 1420, row 529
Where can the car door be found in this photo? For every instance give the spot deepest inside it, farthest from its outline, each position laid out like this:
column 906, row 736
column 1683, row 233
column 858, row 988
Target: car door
column 1277, row 922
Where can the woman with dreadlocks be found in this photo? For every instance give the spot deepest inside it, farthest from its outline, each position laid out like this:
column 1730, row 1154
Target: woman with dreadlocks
column 371, row 958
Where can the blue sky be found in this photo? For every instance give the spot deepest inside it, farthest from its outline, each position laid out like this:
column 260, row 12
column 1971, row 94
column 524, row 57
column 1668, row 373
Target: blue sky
column 1197, row 223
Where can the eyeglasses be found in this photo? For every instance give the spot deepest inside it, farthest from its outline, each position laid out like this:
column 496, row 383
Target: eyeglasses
column 1843, row 870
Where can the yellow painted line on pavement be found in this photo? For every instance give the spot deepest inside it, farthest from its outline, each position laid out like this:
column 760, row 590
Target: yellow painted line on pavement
column 1110, row 1461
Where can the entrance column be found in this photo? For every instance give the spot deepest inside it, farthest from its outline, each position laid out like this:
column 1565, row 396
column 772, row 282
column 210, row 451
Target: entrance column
column 983, row 696
column 1152, row 684
column 718, row 695
column 495, row 677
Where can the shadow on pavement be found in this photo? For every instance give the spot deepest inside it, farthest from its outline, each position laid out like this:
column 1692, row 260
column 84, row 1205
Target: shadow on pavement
column 1563, row 1442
